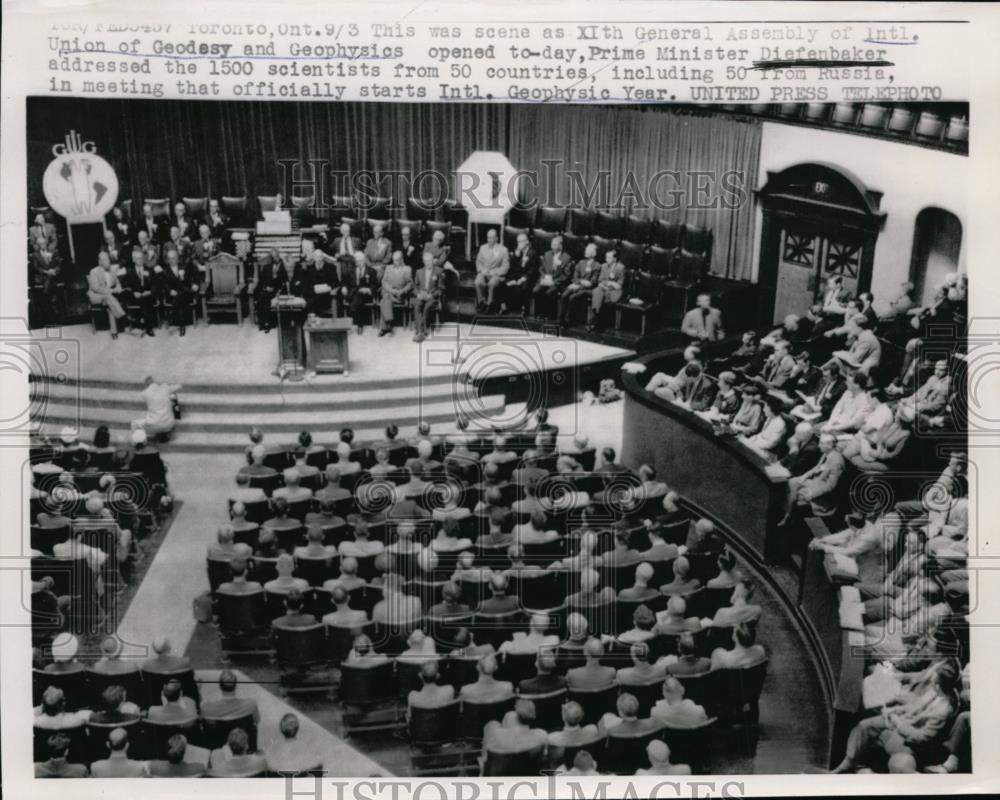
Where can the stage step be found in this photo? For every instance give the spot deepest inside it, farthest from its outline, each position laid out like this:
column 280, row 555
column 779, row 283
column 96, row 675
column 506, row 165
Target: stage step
column 241, row 417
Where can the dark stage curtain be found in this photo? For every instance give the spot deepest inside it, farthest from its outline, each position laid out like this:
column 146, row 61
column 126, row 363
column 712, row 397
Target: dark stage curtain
column 171, row 149
column 654, row 163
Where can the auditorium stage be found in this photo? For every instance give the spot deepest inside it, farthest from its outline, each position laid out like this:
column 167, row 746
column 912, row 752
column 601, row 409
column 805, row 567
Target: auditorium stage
column 487, row 372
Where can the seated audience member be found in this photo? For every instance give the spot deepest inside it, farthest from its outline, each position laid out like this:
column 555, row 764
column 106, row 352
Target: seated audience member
column 703, row 538
column 643, row 626
column 111, row 662
column 803, row 449
column 344, row 464
column 608, row 464
column 728, row 575
column 915, row 612
column 546, row 680
column 683, row 583
column 332, row 493
column 362, row 546
column 495, row 536
column 176, row 708
column 932, row 396
column 238, row 762
column 622, row 555
column 293, row 616
column 672, row 513
column 292, row 491
column 592, row 675
column 118, row 764
column 225, row 548
column 229, row 706
column 500, row 602
column 280, row 521
column 343, row 616
column 174, row 765
column 688, row 661
column 672, row 621
column 583, row 764
column 466, row 647
column 348, row 580
column 450, row 605
column 591, row 592
column 292, row 754
column 574, row 733
column 242, row 528
column 447, row 539
column 659, row 761
column 820, row 403
column 779, row 367
column 314, row 547
column 769, row 439
column 876, row 451
column 431, row 694
column 244, row 494
column 396, row 609
column 727, row 399
column 676, row 710
column 165, row 662
column 515, row 734
column 256, row 468
column 467, row 571
column 532, row 641
column 865, row 352
column 818, row 486
column 363, row 654
column 741, row 611
column 115, row 708
column 626, row 722
column 749, row 417
column 286, row 581
column 239, row 583
column 745, row 651
column 641, row 672
column 919, row 719
column 53, row 716
column 487, row 689
column 57, row 765
column 499, row 454
column 668, row 386
column 641, row 591
column 853, row 407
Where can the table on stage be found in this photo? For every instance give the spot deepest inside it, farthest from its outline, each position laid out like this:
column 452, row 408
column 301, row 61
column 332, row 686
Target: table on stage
column 326, row 345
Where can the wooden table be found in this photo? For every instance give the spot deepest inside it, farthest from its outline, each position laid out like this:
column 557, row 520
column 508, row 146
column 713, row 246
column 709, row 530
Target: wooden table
column 326, row 345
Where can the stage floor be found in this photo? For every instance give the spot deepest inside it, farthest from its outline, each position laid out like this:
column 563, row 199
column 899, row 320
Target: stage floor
column 230, row 355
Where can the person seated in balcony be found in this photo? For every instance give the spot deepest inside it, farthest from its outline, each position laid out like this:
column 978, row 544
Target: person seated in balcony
column 118, row 764
column 745, row 651
column 285, row 582
column 532, row 641
column 514, row 734
column 726, row 402
column 865, row 352
column 534, row 531
column 176, row 709
column 703, row 323
column 626, row 721
column 641, row 671
column 448, row 539
column 343, row 616
column 877, row 450
column 292, row 491
column 57, row 765
column 749, row 417
column 818, row 486
column 932, row 396
column 672, row 621
column 362, row 546
column 773, row 432
column 853, row 407
column 683, row 583
column 688, row 661
column 432, row 694
column 591, row 592
column 740, row 611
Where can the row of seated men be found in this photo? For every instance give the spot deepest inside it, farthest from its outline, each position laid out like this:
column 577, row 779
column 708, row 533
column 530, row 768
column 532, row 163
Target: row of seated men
column 92, row 506
column 121, row 717
column 905, row 580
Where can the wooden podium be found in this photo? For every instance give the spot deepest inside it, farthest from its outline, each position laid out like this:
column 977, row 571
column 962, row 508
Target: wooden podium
column 326, row 345
column 291, row 313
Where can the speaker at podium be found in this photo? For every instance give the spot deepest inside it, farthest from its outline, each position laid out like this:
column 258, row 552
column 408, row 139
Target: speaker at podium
column 291, row 314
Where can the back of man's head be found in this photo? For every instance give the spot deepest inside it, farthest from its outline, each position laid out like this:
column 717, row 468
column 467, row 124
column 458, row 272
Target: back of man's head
column 176, row 747
column 172, row 691
column 118, row 740
column 238, row 741
column 525, row 711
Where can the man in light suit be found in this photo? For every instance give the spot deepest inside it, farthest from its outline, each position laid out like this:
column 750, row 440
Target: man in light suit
column 428, row 288
column 103, row 288
column 585, row 275
column 554, row 272
column 610, row 285
column 779, row 367
column 438, row 248
column 378, row 250
column 818, row 486
column 703, row 322
column 345, row 245
column 397, row 283
column 492, row 264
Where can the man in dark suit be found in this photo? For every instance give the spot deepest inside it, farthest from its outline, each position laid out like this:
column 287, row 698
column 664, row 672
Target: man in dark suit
column 217, row 221
column 116, row 253
column 141, row 288
column 205, row 248
column 44, row 229
column 184, row 222
column 316, row 279
column 181, row 243
column 358, row 289
column 293, row 617
column 546, row 680
column 156, row 228
column 553, row 274
column 178, row 286
column 438, row 248
column 585, row 275
column 150, row 250
column 428, row 287
column 410, row 249
column 520, row 277
column 272, row 277
column 610, row 285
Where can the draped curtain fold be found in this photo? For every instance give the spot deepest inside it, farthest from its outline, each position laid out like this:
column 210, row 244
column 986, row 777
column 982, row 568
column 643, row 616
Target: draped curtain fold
column 639, row 161
column 653, row 163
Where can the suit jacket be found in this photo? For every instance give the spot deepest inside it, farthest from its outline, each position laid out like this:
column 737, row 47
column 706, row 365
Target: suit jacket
column 205, row 249
column 493, row 261
column 47, row 230
column 368, row 279
column 436, row 288
column 40, row 267
column 156, row 227
column 187, row 226
column 217, row 224
column 411, row 254
column 696, row 323
column 183, row 280
column 135, row 285
column 151, row 255
column 822, row 479
column 827, row 395
column 615, row 273
column 586, row 269
column 700, row 392
column 440, row 253
column 184, row 249
column 272, row 276
column 379, row 252
column 342, row 248
column 541, row 684
column 397, row 280
column 777, row 372
column 522, row 265
column 116, row 253
column 101, row 283
column 559, row 266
